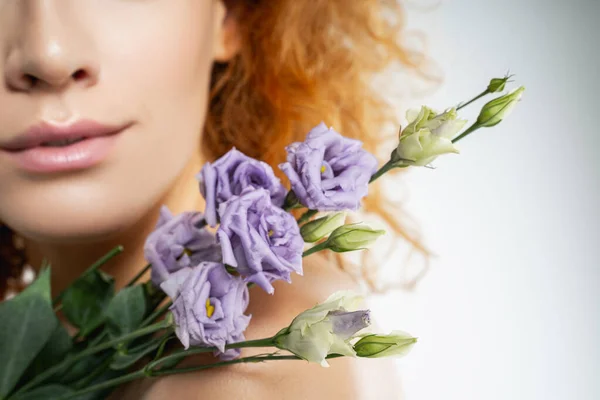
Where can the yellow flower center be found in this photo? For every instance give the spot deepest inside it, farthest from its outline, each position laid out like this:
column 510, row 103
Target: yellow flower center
column 187, row 251
column 210, row 309
column 323, row 169
column 271, row 232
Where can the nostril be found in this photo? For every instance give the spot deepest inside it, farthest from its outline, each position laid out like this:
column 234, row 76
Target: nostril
column 25, row 76
column 29, row 81
column 80, row 74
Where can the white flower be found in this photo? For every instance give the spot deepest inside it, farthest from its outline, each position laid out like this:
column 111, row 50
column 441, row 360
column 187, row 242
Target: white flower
column 325, row 329
column 427, row 136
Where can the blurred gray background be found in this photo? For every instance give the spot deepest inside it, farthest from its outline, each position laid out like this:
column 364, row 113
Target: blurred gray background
column 510, row 307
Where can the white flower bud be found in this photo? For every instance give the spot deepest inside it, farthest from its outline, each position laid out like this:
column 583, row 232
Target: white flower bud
column 397, row 343
column 321, row 227
column 496, row 110
column 353, row 237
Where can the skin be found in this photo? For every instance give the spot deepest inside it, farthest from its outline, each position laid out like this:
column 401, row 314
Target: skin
column 148, row 63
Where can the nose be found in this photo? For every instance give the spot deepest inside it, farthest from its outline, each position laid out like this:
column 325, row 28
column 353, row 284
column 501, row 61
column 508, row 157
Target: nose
column 50, row 50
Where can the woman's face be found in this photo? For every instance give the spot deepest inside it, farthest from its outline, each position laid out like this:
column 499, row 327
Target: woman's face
column 128, row 80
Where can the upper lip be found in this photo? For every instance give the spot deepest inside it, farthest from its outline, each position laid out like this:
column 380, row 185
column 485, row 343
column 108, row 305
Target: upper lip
column 48, row 132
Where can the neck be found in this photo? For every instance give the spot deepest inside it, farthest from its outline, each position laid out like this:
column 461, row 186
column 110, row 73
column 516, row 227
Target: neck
column 70, row 260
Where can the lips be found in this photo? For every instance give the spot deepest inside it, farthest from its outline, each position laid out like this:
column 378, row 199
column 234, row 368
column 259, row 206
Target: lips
column 47, row 148
column 62, row 143
column 47, row 134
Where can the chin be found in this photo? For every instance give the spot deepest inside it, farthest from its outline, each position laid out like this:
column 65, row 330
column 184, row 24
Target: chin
column 76, row 215
column 74, row 227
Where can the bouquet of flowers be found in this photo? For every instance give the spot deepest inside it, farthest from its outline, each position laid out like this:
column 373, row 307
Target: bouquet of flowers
column 196, row 299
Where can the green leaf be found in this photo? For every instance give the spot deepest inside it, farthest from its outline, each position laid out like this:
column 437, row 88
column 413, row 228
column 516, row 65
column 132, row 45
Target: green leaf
column 82, row 368
column 53, row 352
column 126, row 311
column 44, row 393
column 85, row 301
column 27, row 324
column 133, row 355
column 53, row 391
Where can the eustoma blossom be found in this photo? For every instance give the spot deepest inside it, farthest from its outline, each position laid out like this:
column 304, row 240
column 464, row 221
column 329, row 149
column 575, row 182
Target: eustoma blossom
column 230, row 175
column 327, row 328
column 259, row 239
column 427, row 136
column 208, row 307
column 329, row 172
column 178, row 242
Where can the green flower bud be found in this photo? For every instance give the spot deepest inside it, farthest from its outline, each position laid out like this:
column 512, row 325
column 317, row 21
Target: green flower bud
column 397, row 343
column 352, row 237
column 427, row 136
column 321, row 227
column 497, row 84
column 496, row 110
column 170, row 318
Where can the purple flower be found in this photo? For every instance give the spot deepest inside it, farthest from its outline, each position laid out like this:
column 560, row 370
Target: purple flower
column 179, row 242
column 259, row 239
column 329, row 172
column 230, row 175
column 208, row 307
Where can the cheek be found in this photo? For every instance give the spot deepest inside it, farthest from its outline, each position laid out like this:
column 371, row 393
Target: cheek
column 162, row 75
column 164, row 80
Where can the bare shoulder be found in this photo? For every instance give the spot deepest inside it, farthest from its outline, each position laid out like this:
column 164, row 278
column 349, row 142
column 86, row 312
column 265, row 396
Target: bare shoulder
column 275, row 380
column 346, row 378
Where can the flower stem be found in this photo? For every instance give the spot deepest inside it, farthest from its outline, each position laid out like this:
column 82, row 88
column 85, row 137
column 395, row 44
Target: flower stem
column 100, row 262
column 157, row 314
column 145, row 372
column 267, row 342
column 139, row 275
column 107, row 384
column 484, row 93
column 316, row 248
column 306, row 216
column 163, row 345
column 251, row 359
column 91, row 351
column 469, row 130
column 385, row 168
column 94, row 374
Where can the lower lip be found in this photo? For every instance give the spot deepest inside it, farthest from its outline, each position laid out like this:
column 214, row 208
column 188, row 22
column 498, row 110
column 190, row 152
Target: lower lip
column 77, row 156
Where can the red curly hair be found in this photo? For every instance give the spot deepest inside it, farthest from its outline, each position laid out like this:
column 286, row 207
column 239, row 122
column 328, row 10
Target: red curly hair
column 300, row 63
